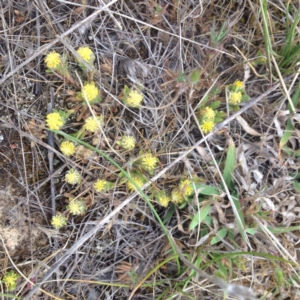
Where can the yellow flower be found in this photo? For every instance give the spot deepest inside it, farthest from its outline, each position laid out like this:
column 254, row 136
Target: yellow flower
column 207, row 126
column 127, row 142
column 164, row 200
column 53, row 60
column 90, row 92
column 67, row 148
column 239, row 84
column 86, row 53
column 176, row 196
column 134, row 99
column 10, row 280
column 235, row 97
column 58, row 221
column 76, row 207
column 186, row 188
column 91, row 124
column 149, row 162
column 55, row 121
column 138, row 181
column 100, row 185
column 208, row 113
column 72, row 177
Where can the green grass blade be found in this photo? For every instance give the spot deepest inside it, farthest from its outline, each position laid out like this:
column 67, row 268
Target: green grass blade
column 229, row 165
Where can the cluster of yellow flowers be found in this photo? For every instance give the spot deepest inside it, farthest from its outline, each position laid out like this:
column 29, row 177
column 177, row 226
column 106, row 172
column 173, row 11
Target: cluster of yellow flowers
column 53, row 60
column 55, row 120
column 147, row 162
column 178, row 194
column 236, row 92
column 100, row 185
column 90, row 93
column 76, row 207
column 10, row 280
column 127, row 142
column 132, row 98
column 58, row 221
column 73, row 177
column 138, row 181
column 207, row 115
column 86, row 54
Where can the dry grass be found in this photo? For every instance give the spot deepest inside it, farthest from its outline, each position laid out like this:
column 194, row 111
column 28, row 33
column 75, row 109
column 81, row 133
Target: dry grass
column 247, row 168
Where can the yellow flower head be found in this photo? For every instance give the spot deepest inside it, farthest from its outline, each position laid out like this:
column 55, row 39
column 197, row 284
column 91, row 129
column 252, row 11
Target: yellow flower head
column 90, row 92
column 207, row 126
column 134, row 99
column 91, row 124
column 10, row 280
column 76, row 207
column 67, row 148
column 55, row 121
column 100, row 185
column 127, row 142
column 176, row 196
column 235, row 97
column 149, row 162
column 138, row 181
column 53, row 60
column 86, row 54
column 164, row 200
column 239, row 84
column 58, row 221
column 72, row 177
column 186, row 188
column 208, row 113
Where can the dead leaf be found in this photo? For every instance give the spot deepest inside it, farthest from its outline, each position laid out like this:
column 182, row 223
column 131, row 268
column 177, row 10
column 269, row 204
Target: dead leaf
column 246, row 126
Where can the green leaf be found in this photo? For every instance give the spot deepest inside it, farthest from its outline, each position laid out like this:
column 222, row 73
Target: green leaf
column 207, row 190
column 215, row 105
column 229, row 164
column 195, row 76
column 296, row 185
column 251, row 230
column 199, row 217
column 219, row 236
column 286, row 134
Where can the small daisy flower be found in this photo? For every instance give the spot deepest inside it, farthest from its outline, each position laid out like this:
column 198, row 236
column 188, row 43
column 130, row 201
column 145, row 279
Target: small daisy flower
column 53, row 60
column 58, row 221
column 208, row 113
column 67, row 148
column 164, row 200
column 186, row 187
column 139, row 182
column 54, row 121
column 134, row 99
column 149, row 162
column 235, row 97
column 100, row 185
column 76, row 207
column 73, row 177
column 91, row 124
column 127, row 142
column 176, row 196
column 90, row 92
column 86, row 54
column 207, row 126
column 10, row 280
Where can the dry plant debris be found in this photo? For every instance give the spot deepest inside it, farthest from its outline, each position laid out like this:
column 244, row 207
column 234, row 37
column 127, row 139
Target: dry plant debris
column 149, row 150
